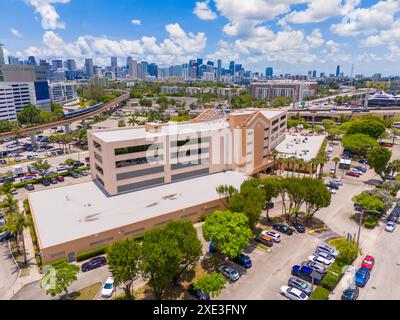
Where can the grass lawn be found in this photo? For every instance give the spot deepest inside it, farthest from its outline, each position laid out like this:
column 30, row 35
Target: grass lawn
column 180, row 119
column 88, row 293
column 338, row 243
column 319, row 294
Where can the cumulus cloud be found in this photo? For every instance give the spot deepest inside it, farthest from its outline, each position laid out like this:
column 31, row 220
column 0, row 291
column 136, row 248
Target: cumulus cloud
column 16, row 33
column 203, row 11
column 48, row 13
column 179, row 46
column 136, row 22
column 368, row 20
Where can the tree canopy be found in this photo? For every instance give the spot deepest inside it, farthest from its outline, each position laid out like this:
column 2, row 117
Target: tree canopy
column 211, row 284
column 378, row 159
column 358, row 143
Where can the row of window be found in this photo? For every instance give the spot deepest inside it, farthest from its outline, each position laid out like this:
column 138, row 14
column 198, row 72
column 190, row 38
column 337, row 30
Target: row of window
column 186, row 142
column 189, row 153
column 138, row 161
column 136, row 149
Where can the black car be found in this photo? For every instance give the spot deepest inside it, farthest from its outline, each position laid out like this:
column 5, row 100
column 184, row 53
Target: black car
column 53, row 181
column 94, row 264
column 46, row 183
column 299, row 227
column 198, row 293
column 351, row 294
column 74, row 175
column 4, row 236
column 282, row 228
column 30, row 187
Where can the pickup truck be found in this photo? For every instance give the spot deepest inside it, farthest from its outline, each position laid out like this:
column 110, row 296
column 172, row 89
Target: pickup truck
column 307, row 274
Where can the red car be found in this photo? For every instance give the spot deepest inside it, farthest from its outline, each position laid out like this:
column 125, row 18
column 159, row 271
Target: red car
column 368, row 263
column 29, row 174
column 353, row 174
column 60, row 179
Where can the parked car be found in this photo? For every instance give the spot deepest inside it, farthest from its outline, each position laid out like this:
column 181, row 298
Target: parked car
column 3, row 161
column 243, row 260
column 30, row 187
column 275, row 236
column 325, row 261
column 84, row 173
column 60, row 179
column 200, row 295
column 212, row 247
column 368, row 262
column 328, row 249
column 315, row 266
column 94, row 264
column 282, row 228
column 390, row 227
column 353, row 174
column 264, row 240
column 298, row 226
column 108, row 288
column 337, row 181
column 53, row 180
column 230, row 273
column 307, row 274
column 4, row 236
column 333, row 185
column 61, row 168
column 390, row 177
column 363, row 161
column 351, row 293
column 293, row 293
column 46, row 183
column 324, row 255
column 74, row 175
column 332, row 171
column 362, row 276
column 355, row 170
column 362, row 169
column 300, row 284
column 333, row 191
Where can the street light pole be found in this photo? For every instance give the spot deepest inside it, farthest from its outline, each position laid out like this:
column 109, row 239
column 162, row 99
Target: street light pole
column 359, row 230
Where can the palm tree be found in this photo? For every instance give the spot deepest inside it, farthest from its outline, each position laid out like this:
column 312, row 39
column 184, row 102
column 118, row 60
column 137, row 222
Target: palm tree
column 16, row 130
column 133, row 120
column 314, row 164
column 293, row 161
column 300, row 163
column 280, row 162
column 336, row 161
column 322, row 162
column 274, row 154
column 9, row 205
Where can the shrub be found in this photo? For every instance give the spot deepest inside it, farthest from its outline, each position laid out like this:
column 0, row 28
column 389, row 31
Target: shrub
column 90, row 254
column 27, row 208
column 56, row 263
column 333, row 277
column 320, row 294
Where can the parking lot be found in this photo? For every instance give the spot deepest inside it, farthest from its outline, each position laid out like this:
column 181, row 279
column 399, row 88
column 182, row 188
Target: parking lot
column 271, row 270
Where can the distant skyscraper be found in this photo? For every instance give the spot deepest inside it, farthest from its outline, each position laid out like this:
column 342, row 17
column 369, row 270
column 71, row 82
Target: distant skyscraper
column 314, row 74
column 114, row 62
column 219, row 70
column 2, row 61
column 269, row 73
column 13, row 60
column 133, row 70
column 153, row 70
column 337, row 71
column 89, row 69
column 232, row 68
column 145, row 69
column 57, row 64
column 32, row 60
column 70, row 65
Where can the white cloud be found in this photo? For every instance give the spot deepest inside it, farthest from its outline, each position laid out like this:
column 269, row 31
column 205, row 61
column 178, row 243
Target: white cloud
column 16, row 33
column 390, row 36
column 368, row 21
column 179, row 46
column 46, row 9
column 315, row 39
column 203, row 11
column 136, row 22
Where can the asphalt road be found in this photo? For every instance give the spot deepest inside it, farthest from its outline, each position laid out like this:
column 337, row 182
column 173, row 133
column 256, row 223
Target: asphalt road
column 9, row 271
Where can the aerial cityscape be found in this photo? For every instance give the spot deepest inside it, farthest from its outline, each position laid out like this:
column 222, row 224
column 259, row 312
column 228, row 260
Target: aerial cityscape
column 199, row 150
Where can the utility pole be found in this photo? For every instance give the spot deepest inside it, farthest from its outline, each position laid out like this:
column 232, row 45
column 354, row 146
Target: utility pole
column 359, row 230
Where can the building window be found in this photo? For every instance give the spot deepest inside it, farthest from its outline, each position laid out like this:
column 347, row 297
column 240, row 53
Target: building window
column 102, row 241
column 140, row 185
column 137, row 231
column 275, row 122
column 100, row 180
column 181, row 143
column 188, row 215
column 162, row 223
column 98, row 157
column 97, row 145
column 189, row 164
column 189, row 153
column 136, row 149
column 99, row 169
column 212, row 209
column 190, row 174
column 138, row 161
column 139, row 173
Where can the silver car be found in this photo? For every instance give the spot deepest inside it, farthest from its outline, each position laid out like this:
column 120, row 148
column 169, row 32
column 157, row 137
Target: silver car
column 390, row 226
column 229, row 273
column 328, row 249
column 275, row 236
column 300, row 284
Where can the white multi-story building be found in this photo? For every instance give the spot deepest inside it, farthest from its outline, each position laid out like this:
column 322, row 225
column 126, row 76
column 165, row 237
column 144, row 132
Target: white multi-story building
column 63, row 91
column 14, row 96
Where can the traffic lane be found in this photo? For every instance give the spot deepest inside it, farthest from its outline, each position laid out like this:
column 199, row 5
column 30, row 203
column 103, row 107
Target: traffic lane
column 33, row 291
column 271, row 271
column 385, row 277
column 9, row 271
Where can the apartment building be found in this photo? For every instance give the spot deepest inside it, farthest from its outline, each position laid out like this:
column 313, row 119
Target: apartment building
column 63, row 92
column 130, row 159
column 296, row 90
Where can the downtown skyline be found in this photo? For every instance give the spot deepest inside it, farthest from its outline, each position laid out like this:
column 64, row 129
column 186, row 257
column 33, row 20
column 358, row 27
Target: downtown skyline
column 292, row 36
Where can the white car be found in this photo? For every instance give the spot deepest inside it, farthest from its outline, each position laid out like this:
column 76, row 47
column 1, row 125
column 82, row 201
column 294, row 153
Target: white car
column 332, row 171
column 326, row 258
column 390, row 226
column 322, row 260
column 328, row 249
column 337, row 181
column 275, row 236
column 293, row 293
column 61, row 168
column 108, row 288
column 19, row 159
column 333, row 191
column 356, row 171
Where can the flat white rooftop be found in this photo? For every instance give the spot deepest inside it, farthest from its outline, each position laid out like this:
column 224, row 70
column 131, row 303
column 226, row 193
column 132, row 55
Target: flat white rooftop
column 73, row 212
column 300, row 146
column 169, row 129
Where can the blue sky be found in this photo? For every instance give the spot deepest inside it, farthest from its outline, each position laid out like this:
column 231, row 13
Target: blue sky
column 293, row 36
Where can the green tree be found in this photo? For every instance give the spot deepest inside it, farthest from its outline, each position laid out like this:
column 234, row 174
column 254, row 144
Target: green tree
column 145, row 102
column 378, row 159
column 188, row 243
column 226, row 192
column 229, row 230
column 161, row 259
column 369, row 202
column 123, row 259
column 369, row 126
column 358, row 143
column 41, row 166
column 272, row 188
column 66, row 274
column 29, row 115
column 317, row 196
column 5, row 126
column 121, row 124
column 211, row 284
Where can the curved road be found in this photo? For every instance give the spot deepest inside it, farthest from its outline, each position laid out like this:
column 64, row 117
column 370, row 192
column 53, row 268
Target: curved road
column 62, row 122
